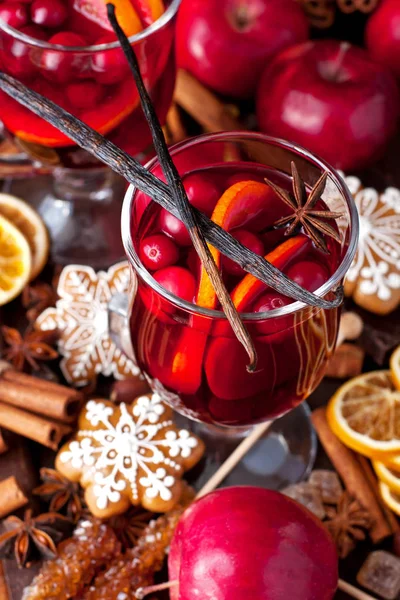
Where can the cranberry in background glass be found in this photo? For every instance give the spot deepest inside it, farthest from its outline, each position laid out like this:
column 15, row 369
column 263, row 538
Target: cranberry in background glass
column 110, row 66
column 84, row 94
column 252, row 242
column 14, row 14
column 158, row 251
column 178, row 281
column 48, row 13
column 331, row 98
column 382, row 35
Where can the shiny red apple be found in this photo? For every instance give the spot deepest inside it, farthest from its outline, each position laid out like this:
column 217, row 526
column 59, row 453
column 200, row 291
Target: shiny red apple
column 382, row 35
column 331, row 98
column 226, row 43
column 243, row 543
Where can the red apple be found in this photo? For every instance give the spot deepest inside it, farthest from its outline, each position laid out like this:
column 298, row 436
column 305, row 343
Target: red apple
column 251, row 543
column 226, row 44
column 331, row 98
column 382, row 35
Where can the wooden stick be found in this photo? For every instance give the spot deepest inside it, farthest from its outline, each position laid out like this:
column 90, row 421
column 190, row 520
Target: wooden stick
column 201, row 104
column 11, row 496
column 354, row 592
column 45, row 432
column 234, row 459
column 357, row 476
column 4, row 595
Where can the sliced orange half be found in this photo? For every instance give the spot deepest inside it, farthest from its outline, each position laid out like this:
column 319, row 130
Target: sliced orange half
column 15, row 261
column 31, row 225
column 395, row 367
column 149, row 10
column 96, row 11
column 390, row 498
column 387, row 475
column 365, row 415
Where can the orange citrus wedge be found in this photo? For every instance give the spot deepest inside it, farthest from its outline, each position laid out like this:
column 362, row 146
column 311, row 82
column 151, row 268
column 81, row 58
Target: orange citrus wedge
column 390, row 498
column 364, row 413
column 96, row 10
column 387, row 475
column 28, row 221
column 149, row 10
column 15, row 261
column 238, row 206
column 395, row 367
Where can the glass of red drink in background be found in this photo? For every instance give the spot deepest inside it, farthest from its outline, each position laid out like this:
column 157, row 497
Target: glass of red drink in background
column 83, row 70
column 189, row 353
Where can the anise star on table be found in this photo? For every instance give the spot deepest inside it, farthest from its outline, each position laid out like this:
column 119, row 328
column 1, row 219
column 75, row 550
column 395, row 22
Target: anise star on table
column 32, row 537
column 347, row 524
column 129, row 526
column 304, row 215
column 28, row 348
column 64, row 495
column 36, row 298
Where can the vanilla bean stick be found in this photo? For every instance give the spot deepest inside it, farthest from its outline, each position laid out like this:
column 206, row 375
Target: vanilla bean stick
column 129, row 168
column 186, row 213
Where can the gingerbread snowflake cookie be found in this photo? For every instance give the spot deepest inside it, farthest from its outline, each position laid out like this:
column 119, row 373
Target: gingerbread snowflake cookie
column 373, row 279
column 129, row 455
column 80, row 315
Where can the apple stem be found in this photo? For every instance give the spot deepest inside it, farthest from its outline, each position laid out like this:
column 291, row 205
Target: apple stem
column 145, row 591
column 343, row 49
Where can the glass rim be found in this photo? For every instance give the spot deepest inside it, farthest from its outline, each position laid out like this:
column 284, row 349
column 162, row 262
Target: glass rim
column 134, row 39
column 294, row 307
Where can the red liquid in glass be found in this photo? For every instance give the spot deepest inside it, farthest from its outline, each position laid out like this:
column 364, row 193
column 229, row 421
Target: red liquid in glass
column 198, row 358
column 95, row 86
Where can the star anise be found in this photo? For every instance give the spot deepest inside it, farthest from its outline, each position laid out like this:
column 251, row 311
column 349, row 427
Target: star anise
column 129, row 526
column 303, row 215
column 347, row 524
column 29, row 348
column 36, row 298
column 33, row 537
column 64, row 495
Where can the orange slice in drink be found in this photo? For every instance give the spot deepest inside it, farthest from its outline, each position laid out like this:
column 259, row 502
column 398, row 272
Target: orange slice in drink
column 96, row 10
column 365, row 415
column 149, row 10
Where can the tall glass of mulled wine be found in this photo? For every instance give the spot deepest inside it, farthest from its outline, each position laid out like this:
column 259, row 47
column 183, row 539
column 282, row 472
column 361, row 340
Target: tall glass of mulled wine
column 180, row 336
column 67, row 51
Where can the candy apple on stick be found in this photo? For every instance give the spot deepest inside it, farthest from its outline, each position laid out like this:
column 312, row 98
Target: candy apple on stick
column 249, row 542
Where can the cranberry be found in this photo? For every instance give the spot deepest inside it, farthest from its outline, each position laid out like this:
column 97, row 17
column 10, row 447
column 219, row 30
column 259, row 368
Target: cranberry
column 270, row 301
column 174, row 228
column 19, row 57
column 62, row 65
column 84, row 94
column 202, row 193
column 48, row 13
column 109, row 66
column 310, row 275
column 158, row 251
column 178, row 281
column 252, row 242
column 14, row 14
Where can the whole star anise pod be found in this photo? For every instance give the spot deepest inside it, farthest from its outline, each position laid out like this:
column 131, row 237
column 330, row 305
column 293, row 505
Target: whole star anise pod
column 64, row 495
column 36, row 298
column 129, row 526
column 33, row 537
column 29, row 348
column 304, row 214
column 347, row 524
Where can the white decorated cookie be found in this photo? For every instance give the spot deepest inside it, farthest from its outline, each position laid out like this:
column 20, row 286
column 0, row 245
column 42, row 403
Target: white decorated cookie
column 80, row 315
column 129, row 455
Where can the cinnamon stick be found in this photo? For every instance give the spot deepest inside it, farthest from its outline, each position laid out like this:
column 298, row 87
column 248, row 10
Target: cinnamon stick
column 4, row 595
column 201, row 104
column 3, row 447
column 11, row 495
column 357, row 477
column 175, row 126
column 40, row 396
column 45, row 432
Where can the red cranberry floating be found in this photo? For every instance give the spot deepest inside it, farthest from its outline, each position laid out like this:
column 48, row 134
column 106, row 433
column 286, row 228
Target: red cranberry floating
column 84, row 94
column 332, row 98
column 158, row 251
column 270, row 301
column 178, row 281
column 251, row 241
column 48, row 13
column 202, row 192
column 308, row 274
column 174, row 228
column 14, row 14
column 273, row 549
column 19, row 57
column 62, row 65
column 382, row 35
column 109, row 66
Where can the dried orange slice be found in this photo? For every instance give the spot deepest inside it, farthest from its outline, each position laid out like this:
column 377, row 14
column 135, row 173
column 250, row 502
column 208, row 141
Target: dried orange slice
column 395, row 367
column 365, row 415
column 387, row 475
column 15, row 261
column 390, row 498
column 31, row 225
